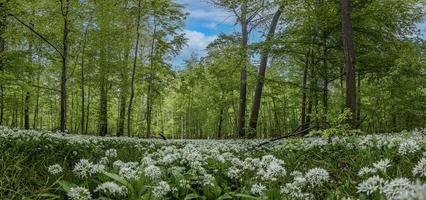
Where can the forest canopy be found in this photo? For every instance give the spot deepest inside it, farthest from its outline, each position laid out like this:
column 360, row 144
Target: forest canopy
column 108, row 68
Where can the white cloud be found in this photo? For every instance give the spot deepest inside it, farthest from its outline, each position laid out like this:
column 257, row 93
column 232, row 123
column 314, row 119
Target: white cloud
column 197, row 41
column 211, row 25
column 196, row 44
column 203, row 10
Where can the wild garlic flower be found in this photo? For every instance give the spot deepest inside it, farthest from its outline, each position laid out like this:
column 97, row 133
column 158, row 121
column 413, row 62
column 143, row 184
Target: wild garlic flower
column 83, row 168
column 397, row 187
column 112, row 189
column 233, row 173
column 161, row 189
column 371, row 185
column 152, row 172
column 128, row 173
column 111, row 153
column 257, row 189
column 366, row 170
column 407, row 147
column 79, row 193
column 420, row 168
column 316, row 177
column 54, row 169
column 382, row 164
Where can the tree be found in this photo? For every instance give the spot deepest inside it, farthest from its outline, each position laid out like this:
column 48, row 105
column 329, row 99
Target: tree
column 262, row 70
column 348, row 48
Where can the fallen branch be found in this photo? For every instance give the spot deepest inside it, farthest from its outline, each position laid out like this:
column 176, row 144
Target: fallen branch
column 293, row 134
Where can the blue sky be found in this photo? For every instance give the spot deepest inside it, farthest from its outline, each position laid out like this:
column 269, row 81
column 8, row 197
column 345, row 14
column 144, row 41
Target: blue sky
column 203, row 25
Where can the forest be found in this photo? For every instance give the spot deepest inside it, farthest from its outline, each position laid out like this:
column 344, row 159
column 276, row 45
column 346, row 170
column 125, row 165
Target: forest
column 212, row 99
column 106, row 68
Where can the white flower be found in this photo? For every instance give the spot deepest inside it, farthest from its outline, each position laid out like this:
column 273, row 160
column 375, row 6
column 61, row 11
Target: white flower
column 83, row 168
column 366, row 170
column 257, row 189
column 54, row 169
column 128, row 173
column 294, row 190
column 112, row 188
column 271, row 168
column 111, row 153
column 233, row 173
column 397, row 187
column 161, row 189
column 152, row 172
column 382, row 164
column 408, row 146
column 371, row 185
column 79, row 193
column 317, row 177
column 420, row 168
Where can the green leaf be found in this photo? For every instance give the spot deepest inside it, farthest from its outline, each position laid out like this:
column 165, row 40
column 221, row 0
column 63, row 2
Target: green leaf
column 246, row 196
column 66, row 186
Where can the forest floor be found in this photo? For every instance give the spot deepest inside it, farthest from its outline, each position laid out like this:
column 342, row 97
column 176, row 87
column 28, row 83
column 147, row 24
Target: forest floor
column 44, row 165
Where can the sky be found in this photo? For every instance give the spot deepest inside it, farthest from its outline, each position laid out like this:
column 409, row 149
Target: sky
column 205, row 22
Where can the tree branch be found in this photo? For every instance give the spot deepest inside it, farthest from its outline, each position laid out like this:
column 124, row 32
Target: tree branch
column 38, row 34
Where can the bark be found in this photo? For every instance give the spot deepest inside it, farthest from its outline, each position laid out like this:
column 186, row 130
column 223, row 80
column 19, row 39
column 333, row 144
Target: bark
column 103, row 100
column 220, row 126
column 132, row 89
column 63, row 115
column 88, row 99
column 261, row 76
column 36, row 109
column 150, row 79
column 243, row 70
column 304, row 89
column 349, row 52
column 27, row 111
column 2, row 48
column 326, row 81
column 82, row 80
column 123, row 97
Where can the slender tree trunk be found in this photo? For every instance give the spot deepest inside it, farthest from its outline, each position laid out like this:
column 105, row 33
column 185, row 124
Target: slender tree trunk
column 63, row 114
column 132, row 89
column 150, row 79
column 36, row 108
column 89, row 84
column 82, row 79
column 103, row 101
column 262, row 71
column 349, row 52
column 27, row 111
column 305, row 88
column 123, row 97
column 326, row 81
column 2, row 48
column 243, row 72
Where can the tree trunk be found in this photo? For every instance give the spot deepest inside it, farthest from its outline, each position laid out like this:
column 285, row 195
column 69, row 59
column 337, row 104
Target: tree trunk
column 123, row 97
column 88, row 99
column 349, row 52
column 326, row 81
column 305, row 89
column 150, row 79
column 243, row 72
column 63, row 114
column 36, row 108
column 27, row 111
column 103, row 105
column 2, row 48
column 132, row 89
column 262, row 71
column 82, row 79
